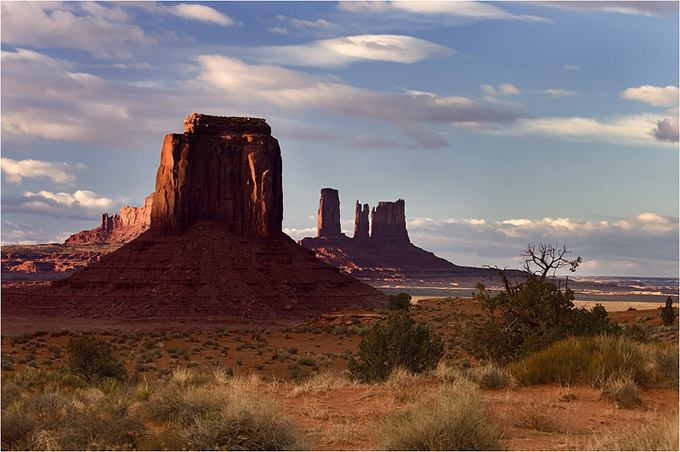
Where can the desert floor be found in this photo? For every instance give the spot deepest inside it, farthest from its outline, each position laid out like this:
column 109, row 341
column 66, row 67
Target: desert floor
column 288, row 365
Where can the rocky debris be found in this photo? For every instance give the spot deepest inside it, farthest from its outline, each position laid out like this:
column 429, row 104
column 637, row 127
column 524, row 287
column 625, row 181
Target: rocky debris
column 361, row 222
column 388, row 222
column 328, row 224
column 120, row 228
column 223, row 169
column 214, row 251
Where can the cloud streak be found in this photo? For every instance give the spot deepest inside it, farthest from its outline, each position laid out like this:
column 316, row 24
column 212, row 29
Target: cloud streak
column 647, row 242
column 349, row 49
column 59, row 172
column 201, row 13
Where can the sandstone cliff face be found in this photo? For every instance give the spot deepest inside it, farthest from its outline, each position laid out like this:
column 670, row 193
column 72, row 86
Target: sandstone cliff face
column 388, row 222
column 122, row 227
column 223, row 169
column 328, row 217
column 361, row 222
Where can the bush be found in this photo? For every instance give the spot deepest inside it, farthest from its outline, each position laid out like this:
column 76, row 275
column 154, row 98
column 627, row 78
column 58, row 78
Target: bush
column 94, row 359
column 397, row 342
column 456, row 419
column 593, row 360
column 623, row 392
column 668, row 313
column 399, row 302
column 666, row 361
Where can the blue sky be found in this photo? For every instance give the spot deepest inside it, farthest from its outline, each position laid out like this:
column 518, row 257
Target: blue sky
column 499, row 123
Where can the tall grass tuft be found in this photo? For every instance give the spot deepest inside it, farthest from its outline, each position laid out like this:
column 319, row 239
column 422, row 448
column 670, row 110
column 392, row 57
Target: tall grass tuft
column 666, row 362
column 455, row 419
column 661, row 435
column 593, row 360
column 623, row 392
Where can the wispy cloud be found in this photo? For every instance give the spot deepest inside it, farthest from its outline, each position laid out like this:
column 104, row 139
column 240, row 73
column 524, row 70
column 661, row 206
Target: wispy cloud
column 80, row 204
column 456, row 9
column 85, row 26
column 298, row 91
column 626, row 130
column 645, row 242
column 202, row 13
column 559, row 92
column 58, row 172
column 505, row 89
column 639, row 8
column 350, row 49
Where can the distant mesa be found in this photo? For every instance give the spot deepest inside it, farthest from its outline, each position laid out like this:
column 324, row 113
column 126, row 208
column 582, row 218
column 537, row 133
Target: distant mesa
column 384, row 254
column 214, row 250
column 123, row 227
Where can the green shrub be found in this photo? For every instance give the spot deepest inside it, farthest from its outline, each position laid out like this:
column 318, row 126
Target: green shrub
column 668, row 313
column 7, row 362
column 94, row 359
column 594, row 360
column 456, row 419
column 399, row 302
column 397, row 342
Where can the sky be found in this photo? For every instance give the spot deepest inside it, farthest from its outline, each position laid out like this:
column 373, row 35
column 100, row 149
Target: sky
column 499, row 123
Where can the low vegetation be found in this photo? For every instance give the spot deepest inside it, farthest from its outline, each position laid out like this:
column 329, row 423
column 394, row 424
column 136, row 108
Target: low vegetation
column 661, row 435
column 398, row 342
column 456, row 418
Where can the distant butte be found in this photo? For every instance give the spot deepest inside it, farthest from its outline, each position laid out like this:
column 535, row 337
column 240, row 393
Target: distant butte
column 214, row 251
column 123, row 227
column 387, row 254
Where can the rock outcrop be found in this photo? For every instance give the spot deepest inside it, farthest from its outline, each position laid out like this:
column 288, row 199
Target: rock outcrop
column 123, row 227
column 222, row 169
column 388, row 222
column 328, row 217
column 361, row 222
column 215, row 250
column 387, row 254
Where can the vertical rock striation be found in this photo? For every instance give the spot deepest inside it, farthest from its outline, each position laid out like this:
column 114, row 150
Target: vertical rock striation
column 328, row 219
column 388, row 222
column 361, row 221
column 222, row 169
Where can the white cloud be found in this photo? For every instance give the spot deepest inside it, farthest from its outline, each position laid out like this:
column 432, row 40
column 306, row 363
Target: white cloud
column 571, row 67
column 297, row 91
column 632, row 130
column 349, row 49
column 203, row 13
column 299, row 234
column 505, row 89
column 84, row 26
column 559, row 92
column 648, row 238
column 59, row 172
column 667, row 130
column 641, row 8
column 653, row 95
column 83, row 198
column 318, row 26
column 475, row 10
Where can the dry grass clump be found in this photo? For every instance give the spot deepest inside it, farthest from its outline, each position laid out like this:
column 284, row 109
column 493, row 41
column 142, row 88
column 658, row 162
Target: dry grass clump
column 215, row 415
column 661, row 435
column 69, row 421
column 594, row 360
column 534, row 415
column 453, row 419
column 666, row 363
column 622, row 391
column 491, row 376
column 447, row 373
column 404, row 386
column 323, row 382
